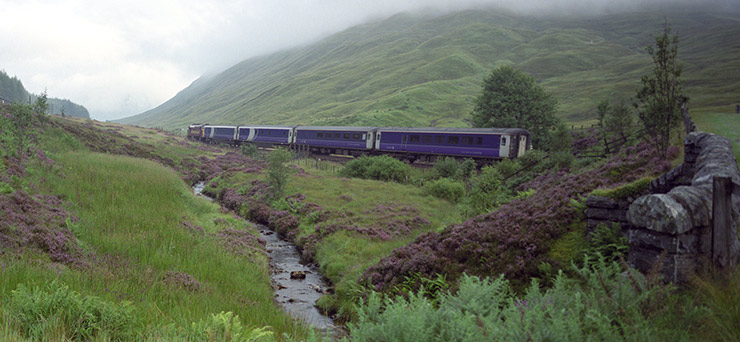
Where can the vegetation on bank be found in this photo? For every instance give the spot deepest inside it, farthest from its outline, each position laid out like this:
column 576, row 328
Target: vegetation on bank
column 99, row 246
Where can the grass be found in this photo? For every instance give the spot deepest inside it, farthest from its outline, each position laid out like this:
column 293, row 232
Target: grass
column 131, row 213
column 426, row 71
column 343, row 255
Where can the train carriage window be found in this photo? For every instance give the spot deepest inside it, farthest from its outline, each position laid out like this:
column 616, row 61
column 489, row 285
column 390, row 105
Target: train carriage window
column 438, row 139
column 346, row 135
column 356, row 136
column 426, row 139
column 467, row 140
column 285, row 133
column 503, row 141
column 405, row 139
column 453, row 140
column 479, row 141
column 414, row 139
column 337, row 135
column 320, row 134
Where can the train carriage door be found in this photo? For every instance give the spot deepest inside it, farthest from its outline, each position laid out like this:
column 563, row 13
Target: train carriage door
column 522, row 145
column 503, row 150
column 377, row 141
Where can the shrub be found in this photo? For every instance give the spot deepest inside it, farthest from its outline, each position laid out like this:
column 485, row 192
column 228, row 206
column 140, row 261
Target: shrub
column 486, row 193
column 57, row 308
column 599, row 304
column 278, row 173
column 445, row 188
column 225, row 326
column 608, row 242
column 382, row 168
column 250, row 150
column 446, row 167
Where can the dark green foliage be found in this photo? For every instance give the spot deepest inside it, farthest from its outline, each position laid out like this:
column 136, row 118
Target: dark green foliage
column 600, row 303
column 619, row 120
column 445, row 188
column 446, row 167
column 382, row 168
column 55, row 307
column 487, row 192
column 225, row 326
column 660, row 97
column 278, row 172
column 561, row 139
column 602, row 109
column 608, row 242
column 512, row 98
column 250, row 150
column 12, row 89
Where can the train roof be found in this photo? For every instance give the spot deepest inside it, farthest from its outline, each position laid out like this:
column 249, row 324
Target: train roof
column 266, row 127
column 453, row 130
column 336, row 128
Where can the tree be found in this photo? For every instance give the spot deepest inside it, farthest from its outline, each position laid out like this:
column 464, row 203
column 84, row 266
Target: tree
column 511, row 98
column 619, row 120
column 601, row 110
column 278, row 172
column 659, row 100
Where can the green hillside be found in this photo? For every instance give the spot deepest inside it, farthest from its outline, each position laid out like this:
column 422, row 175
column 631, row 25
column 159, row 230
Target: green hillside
column 426, row 71
column 12, row 90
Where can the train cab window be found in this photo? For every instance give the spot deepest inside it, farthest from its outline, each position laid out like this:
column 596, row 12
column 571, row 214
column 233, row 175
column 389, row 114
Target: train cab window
column 453, row 140
column 414, row 139
column 320, row 134
column 467, row 140
column 426, row 139
column 356, row 136
column 438, row 139
column 479, row 141
column 503, row 141
column 337, row 135
column 346, row 135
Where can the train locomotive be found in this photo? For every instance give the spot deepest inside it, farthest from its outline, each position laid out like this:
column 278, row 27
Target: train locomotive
column 424, row 144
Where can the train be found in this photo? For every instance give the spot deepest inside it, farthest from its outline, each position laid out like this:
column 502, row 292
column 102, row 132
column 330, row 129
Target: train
column 423, row 143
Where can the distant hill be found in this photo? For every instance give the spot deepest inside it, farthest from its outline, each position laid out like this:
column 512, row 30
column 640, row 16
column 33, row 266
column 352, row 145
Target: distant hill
column 12, row 90
column 426, row 71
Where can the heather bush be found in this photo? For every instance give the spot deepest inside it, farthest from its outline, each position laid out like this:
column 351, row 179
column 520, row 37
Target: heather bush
column 38, row 311
column 515, row 238
column 382, row 168
column 445, row 188
column 600, row 303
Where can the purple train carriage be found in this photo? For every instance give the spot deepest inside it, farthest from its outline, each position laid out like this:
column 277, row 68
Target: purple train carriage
column 335, row 139
column 425, row 144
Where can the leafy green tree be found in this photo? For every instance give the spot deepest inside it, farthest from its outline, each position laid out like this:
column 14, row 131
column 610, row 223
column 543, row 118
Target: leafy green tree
column 22, row 119
column 511, row 98
column 659, row 100
column 619, row 120
column 278, row 172
column 601, row 110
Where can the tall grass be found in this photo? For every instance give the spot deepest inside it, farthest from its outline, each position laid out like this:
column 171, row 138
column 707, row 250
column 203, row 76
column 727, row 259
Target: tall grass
column 131, row 223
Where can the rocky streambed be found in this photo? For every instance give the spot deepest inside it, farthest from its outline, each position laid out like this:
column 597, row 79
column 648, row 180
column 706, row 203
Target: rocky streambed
column 297, row 286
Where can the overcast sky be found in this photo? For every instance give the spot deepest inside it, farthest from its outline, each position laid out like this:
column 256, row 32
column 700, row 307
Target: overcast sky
column 120, row 58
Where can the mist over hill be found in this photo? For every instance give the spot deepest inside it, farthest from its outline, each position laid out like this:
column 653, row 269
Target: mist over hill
column 12, row 90
column 423, row 70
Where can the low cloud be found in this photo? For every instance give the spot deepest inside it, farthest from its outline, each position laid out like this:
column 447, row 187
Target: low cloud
column 124, row 57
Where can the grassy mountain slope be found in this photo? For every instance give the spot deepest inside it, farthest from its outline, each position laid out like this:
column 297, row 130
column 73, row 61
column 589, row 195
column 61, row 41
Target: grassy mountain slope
column 426, row 71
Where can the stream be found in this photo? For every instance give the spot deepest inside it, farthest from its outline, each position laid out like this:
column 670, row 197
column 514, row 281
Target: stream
column 296, row 294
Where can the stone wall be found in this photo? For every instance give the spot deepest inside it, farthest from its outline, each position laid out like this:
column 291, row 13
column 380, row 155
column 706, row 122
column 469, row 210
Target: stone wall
column 672, row 228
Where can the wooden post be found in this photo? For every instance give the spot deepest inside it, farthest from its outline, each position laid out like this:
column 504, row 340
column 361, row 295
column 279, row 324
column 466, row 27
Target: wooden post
column 723, row 234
